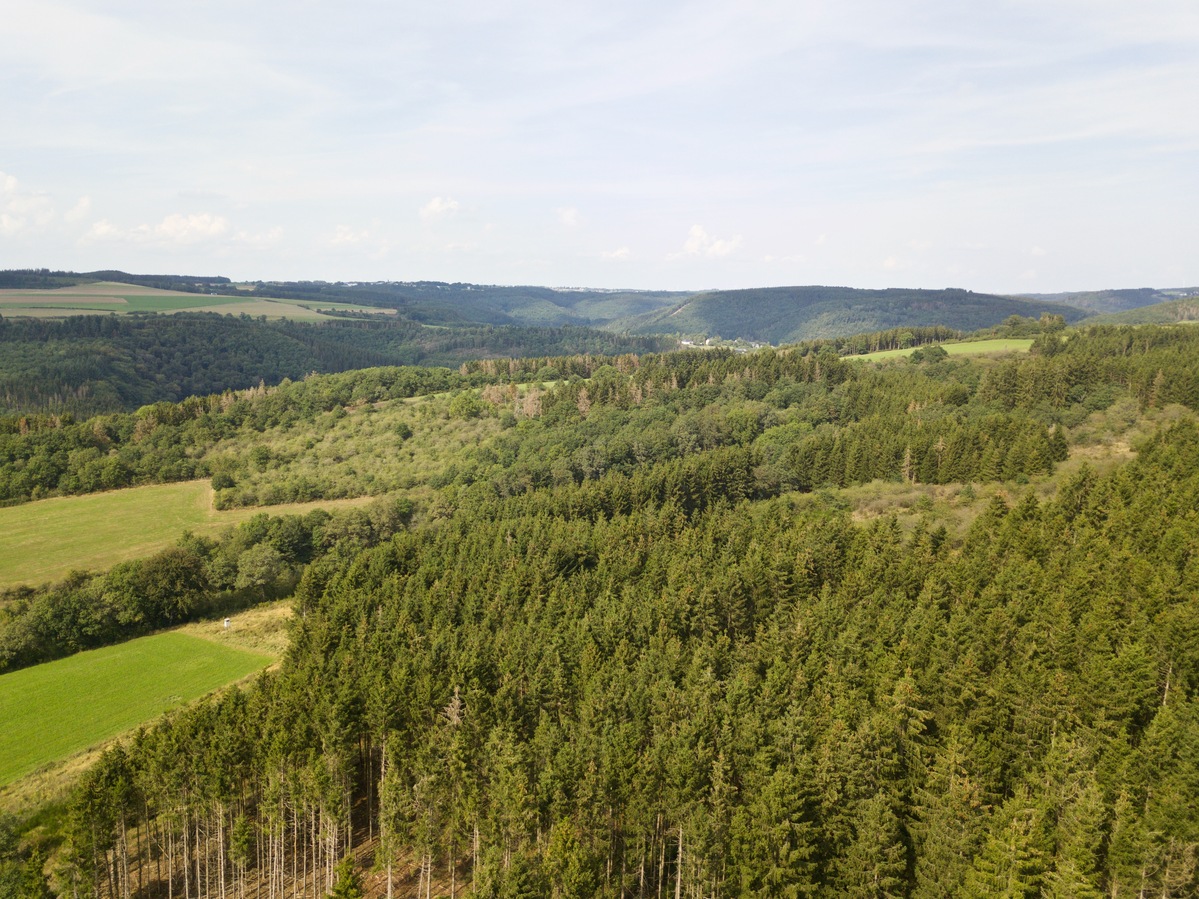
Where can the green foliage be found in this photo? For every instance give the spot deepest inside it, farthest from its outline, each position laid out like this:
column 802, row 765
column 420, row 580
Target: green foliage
column 617, row 653
column 347, row 883
column 755, row 694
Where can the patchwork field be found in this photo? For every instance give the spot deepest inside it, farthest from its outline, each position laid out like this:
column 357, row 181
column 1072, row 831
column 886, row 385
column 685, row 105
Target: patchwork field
column 54, row 710
column 109, row 296
column 42, row 541
column 966, row 348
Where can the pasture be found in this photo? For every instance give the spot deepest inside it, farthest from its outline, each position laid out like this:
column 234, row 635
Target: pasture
column 965, row 348
column 43, row 540
column 54, row 710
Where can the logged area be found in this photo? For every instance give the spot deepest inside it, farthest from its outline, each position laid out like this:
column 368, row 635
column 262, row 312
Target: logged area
column 52, row 710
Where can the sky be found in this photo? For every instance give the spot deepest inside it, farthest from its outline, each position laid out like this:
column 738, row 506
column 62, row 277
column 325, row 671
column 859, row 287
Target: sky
column 1012, row 146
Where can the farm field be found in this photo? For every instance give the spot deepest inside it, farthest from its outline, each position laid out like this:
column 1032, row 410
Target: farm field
column 966, row 348
column 110, row 296
column 54, row 710
column 42, row 541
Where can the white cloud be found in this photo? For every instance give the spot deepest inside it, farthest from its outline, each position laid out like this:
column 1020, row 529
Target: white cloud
column 79, row 211
column 22, row 210
column 439, row 207
column 347, row 236
column 104, row 230
column 1037, row 251
column 569, row 216
column 891, row 263
column 618, row 253
column 175, row 229
column 700, row 242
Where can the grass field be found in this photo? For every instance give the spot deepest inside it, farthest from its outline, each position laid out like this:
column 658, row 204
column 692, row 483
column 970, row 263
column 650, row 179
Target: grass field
column 44, row 540
column 60, row 708
column 110, row 296
column 966, row 348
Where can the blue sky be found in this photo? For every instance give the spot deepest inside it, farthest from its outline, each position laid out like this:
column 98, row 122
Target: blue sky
column 1010, row 146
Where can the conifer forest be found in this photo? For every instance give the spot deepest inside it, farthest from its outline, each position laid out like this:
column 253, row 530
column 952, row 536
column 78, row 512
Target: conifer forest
column 618, row 626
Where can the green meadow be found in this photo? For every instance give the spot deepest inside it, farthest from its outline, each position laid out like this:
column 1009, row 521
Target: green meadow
column 44, row 540
column 966, row 348
column 54, row 710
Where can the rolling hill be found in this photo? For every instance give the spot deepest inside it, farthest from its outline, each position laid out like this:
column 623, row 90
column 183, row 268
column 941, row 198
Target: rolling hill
column 1103, row 302
column 789, row 314
column 1179, row 310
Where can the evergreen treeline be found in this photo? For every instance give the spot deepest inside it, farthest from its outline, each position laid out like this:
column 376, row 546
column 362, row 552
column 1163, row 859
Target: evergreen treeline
column 733, row 697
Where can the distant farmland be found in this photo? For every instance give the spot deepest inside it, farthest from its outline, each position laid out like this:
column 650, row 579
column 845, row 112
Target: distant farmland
column 111, row 297
column 55, row 710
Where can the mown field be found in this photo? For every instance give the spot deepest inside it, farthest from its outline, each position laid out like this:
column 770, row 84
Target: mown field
column 42, row 541
column 109, row 296
column 966, row 348
column 53, row 710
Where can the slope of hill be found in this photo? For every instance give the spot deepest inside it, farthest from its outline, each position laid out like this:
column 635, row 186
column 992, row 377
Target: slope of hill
column 438, row 302
column 788, row 314
column 88, row 364
column 1111, row 301
column 1181, row 310
column 637, row 644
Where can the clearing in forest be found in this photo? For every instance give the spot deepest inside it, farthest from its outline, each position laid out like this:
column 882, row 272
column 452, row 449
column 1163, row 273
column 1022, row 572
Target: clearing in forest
column 44, row 540
column 54, row 710
column 966, row 348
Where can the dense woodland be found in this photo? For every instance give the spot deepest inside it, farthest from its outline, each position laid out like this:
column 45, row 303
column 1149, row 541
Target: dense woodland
column 631, row 644
column 85, row 365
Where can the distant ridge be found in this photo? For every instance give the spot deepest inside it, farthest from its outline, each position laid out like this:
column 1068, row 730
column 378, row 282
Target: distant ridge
column 1170, row 312
column 790, row 314
column 1109, row 301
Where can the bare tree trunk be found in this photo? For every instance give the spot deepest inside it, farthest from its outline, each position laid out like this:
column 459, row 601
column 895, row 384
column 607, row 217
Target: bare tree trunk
column 662, row 858
column 678, row 883
column 187, row 862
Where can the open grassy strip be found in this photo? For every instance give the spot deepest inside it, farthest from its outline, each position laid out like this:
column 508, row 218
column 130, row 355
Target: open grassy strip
column 53, row 710
column 42, row 541
column 966, row 348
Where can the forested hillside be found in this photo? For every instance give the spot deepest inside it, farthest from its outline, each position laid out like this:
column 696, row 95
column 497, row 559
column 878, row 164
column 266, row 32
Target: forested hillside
column 789, row 314
column 1108, row 302
column 634, row 643
column 1168, row 312
column 86, row 365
